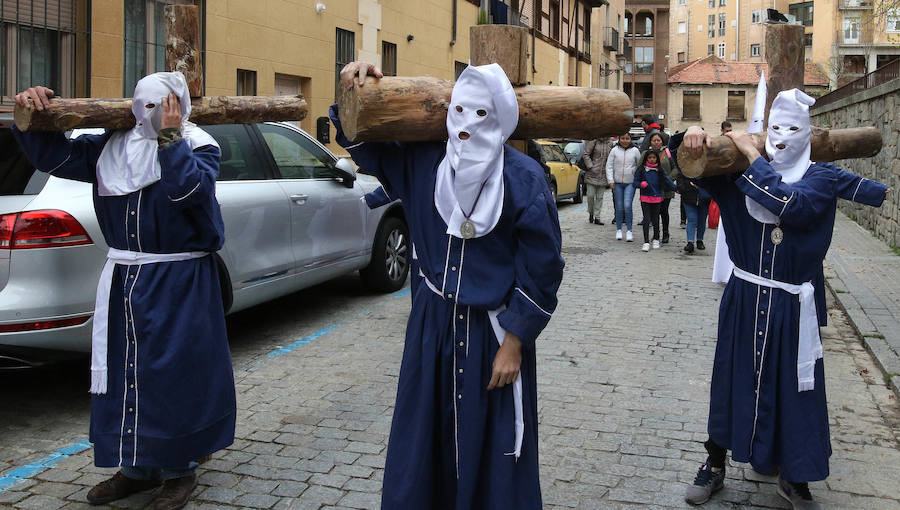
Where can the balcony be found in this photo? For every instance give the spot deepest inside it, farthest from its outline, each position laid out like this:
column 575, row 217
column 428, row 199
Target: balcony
column 611, row 39
column 643, row 103
column 643, row 68
column 855, row 4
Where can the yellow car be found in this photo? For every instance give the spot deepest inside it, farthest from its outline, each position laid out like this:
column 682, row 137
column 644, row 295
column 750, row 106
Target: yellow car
column 563, row 174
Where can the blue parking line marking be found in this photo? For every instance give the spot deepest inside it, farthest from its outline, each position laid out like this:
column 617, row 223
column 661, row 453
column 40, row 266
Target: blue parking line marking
column 303, row 341
column 27, row 471
column 401, row 293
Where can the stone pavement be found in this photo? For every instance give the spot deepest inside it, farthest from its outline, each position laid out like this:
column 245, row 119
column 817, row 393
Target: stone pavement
column 865, row 277
column 623, row 379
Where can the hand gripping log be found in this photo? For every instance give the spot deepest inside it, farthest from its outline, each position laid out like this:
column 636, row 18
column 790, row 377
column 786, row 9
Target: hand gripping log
column 723, row 156
column 65, row 114
column 407, row 109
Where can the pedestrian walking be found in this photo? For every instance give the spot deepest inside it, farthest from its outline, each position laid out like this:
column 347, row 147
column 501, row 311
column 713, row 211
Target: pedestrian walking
column 650, row 128
column 161, row 378
column 464, row 430
column 623, row 161
column 696, row 204
column 767, row 395
column 652, row 182
column 657, row 143
column 594, row 159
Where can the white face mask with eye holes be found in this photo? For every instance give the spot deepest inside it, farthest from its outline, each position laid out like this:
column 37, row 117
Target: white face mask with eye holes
column 787, row 143
column 483, row 113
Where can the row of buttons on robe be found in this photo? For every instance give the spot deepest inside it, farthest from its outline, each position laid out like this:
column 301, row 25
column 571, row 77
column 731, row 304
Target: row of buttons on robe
column 130, row 353
column 761, row 328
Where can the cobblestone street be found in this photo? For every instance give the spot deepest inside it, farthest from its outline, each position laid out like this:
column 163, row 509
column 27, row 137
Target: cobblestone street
column 623, row 368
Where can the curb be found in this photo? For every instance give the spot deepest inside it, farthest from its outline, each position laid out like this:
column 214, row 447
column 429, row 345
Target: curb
column 873, row 340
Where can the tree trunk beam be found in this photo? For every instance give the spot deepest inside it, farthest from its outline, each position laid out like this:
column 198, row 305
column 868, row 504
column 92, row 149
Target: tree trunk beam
column 415, row 110
column 66, row 114
column 183, row 45
column 723, row 156
column 785, row 56
column 505, row 45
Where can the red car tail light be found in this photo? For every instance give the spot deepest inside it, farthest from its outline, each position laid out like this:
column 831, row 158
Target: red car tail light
column 41, row 229
column 35, row 326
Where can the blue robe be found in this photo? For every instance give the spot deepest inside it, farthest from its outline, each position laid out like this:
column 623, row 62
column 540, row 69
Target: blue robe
column 170, row 397
column 755, row 408
column 451, row 440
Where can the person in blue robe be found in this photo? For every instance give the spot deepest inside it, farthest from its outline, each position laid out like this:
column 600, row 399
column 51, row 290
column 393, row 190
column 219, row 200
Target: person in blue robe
column 464, row 431
column 767, row 396
column 162, row 383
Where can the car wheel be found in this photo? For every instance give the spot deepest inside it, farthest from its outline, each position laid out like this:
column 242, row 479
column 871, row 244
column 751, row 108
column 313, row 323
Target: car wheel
column 579, row 192
column 390, row 257
column 553, row 192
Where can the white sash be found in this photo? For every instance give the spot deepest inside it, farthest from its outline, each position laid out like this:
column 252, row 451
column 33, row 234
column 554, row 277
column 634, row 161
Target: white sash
column 100, row 337
column 500, row 333
column 809, row 348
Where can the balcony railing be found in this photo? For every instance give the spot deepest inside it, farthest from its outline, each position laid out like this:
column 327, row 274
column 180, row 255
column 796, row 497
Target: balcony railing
column 855, row 4
column 883, row 74
column 644, row 103
column 611, row 39
column 643, row 68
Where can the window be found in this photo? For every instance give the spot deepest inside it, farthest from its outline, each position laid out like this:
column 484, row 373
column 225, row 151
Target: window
column 721, row 50
column 851, row 29
column 681, row 57
column 755, row 17
column 690, row 105
column 735, row 105
column 648, row 26
column 803, row 12
column 682, row 27
column 643, row 59
column 145, row 41
column 712, row 4
column 710, row 49
column 296, row 156
column 681, row 2
column 893, row 21
column 240, row 160
column 807, row 40
column 722, row 3
column 721, row 24
column 344, row 53
column 554, row 20
column 246, row 82
column 754, row 50
column 459, row 67
column 388, row 58
column 711, row 27
column 627, row 30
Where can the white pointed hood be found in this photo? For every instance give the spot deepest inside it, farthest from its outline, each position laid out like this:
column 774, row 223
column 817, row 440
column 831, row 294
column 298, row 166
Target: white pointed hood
column 757, row 121
column 789, row 128
column 129, row 160
column 470, row 177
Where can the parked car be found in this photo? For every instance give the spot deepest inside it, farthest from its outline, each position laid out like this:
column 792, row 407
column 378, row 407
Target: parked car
column 563, row 174
column 294, row 217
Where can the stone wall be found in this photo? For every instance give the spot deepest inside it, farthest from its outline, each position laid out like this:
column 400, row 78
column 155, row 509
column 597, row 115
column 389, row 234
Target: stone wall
column 879, row 107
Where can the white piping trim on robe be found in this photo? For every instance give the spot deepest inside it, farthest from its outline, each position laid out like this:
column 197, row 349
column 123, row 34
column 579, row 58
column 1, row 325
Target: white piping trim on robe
column 500, row 333
column 100, row 334
column 809, row 349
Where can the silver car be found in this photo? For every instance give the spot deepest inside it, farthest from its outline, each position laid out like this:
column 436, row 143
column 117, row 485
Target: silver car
column 294, row 217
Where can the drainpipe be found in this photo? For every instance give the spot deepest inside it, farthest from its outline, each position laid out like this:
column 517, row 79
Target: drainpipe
column 453, row 41
column 737, row 31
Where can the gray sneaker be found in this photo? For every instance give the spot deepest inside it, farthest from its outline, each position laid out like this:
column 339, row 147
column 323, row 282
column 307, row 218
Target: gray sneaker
column 797, row 494
column 705, row 484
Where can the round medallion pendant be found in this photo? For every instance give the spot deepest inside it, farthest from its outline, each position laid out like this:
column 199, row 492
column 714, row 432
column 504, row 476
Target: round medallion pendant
column 467, row 230
column 777, row 235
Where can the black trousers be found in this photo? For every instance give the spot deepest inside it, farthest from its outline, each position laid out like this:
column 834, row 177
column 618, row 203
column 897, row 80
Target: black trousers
column 664, row 214
column 651, row 214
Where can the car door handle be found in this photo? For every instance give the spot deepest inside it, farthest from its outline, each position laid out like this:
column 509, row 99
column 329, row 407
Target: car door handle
column 299, row 199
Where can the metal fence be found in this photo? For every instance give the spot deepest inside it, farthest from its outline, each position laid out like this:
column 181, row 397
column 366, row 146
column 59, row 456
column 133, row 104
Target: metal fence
column 883, row 74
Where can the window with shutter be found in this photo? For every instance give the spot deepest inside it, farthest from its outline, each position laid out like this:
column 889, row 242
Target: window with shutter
column 690, row 105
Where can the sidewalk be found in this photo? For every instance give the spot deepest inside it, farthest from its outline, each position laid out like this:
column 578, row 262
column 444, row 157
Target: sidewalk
column 864, row 274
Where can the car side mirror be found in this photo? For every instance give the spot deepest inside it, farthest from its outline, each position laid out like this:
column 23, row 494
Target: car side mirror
column 345, row 170
column 573, row 161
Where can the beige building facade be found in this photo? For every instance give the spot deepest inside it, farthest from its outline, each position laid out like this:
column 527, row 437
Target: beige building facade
column 100, row 48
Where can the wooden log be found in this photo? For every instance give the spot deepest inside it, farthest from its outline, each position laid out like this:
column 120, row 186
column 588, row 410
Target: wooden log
column 66, row 114
column 785, row 56
column 723, row 156
column 506, row 45
column 183, row 45
column 415, row 109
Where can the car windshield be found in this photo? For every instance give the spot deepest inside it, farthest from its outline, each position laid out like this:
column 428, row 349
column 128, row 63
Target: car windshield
column 553, row 152
column 17, row 176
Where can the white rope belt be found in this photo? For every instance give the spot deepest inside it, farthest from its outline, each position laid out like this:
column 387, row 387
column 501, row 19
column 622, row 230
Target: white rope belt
column 500, row 333
column 809, row 348
column 100, row 335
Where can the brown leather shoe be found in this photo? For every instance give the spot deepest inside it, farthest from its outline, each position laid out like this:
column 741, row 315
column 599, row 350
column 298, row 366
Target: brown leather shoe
column 118, row 487
column 175, row 493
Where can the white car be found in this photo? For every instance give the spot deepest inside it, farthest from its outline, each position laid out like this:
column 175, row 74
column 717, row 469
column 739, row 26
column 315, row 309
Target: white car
column 294, row 217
